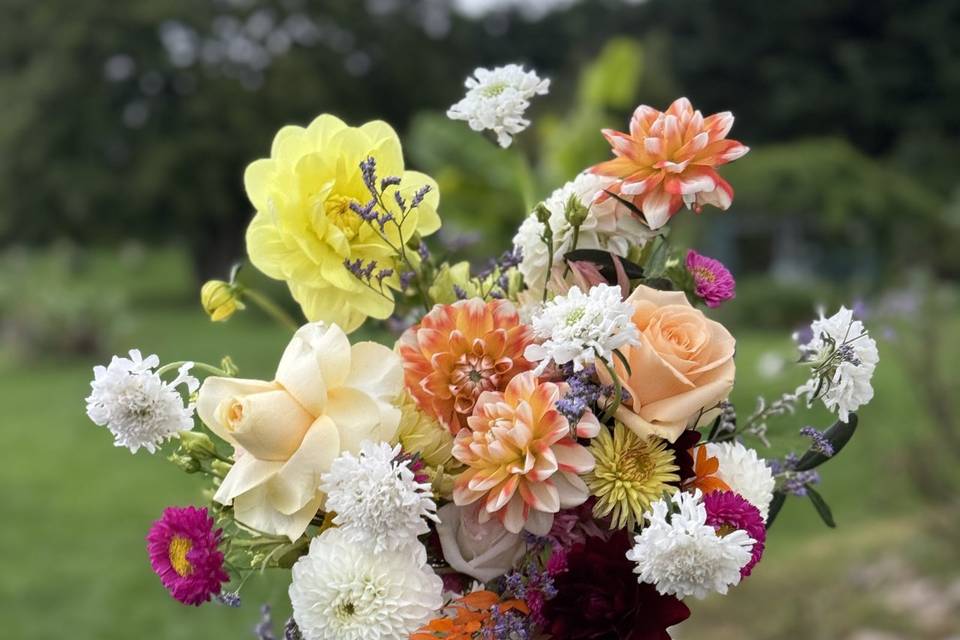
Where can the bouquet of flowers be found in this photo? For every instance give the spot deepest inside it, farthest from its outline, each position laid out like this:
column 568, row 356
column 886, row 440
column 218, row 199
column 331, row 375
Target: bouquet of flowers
column 546, row 451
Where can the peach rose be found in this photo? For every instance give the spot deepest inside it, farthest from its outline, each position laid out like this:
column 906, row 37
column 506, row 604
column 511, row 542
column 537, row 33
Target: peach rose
column 327, row 397
column 682, row 366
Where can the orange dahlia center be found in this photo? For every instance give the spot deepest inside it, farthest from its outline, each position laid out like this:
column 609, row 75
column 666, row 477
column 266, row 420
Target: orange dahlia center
column 472, row 374
column 177, row 552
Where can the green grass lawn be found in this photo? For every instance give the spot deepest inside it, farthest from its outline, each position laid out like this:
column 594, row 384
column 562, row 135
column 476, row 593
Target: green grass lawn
column 76, row 509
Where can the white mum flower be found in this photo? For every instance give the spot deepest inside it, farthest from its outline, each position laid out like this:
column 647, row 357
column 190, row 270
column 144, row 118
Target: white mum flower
column 343, row 590
column 578, row 328
column 497, row 99
column 744, row 473
column 681, row 555
column 136, row 405
column 609, row 226
column 377, row 499
column 844, row 357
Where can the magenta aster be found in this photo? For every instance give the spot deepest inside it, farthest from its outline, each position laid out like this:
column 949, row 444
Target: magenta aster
column 728, row 511
column 183, row 551
column 714, row 282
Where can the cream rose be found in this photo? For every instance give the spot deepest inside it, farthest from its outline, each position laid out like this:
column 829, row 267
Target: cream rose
column 682, row 366
column 482, row 551
column 327, row 397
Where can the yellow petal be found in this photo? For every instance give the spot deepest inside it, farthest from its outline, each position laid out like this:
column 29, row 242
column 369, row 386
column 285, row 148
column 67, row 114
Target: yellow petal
column 215, row 390
column 268, row 425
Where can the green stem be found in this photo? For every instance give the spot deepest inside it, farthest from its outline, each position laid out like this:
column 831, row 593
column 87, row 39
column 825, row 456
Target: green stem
column 271, row 308
column 203, row 366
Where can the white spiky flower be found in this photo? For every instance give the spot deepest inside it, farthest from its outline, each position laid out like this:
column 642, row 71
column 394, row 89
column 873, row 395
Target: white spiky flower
column 497, row 99
column 681, row 555
column 745, row 473
column 136, row 405
column 844, row 357
column 580, row 328
column 343, row 590
column 377, row 498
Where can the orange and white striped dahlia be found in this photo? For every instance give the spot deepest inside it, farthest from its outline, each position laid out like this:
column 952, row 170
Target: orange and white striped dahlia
column 668, row 159
column 459, row 351
column 522, row 457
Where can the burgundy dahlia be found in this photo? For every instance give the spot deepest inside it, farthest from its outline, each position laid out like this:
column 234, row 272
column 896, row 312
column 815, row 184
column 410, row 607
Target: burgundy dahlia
column 727, row 510
column 183, row 548
column 598, row 597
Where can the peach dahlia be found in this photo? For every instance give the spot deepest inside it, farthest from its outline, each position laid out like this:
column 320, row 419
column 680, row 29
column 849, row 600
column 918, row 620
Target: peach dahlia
column 667, row 160
column 523, row 460
column 460, row 350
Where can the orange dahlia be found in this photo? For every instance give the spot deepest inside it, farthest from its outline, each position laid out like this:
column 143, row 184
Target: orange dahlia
column 705, row 468
column 668, row 159
column 460, row 350
column 468, row 617
column 522, row 457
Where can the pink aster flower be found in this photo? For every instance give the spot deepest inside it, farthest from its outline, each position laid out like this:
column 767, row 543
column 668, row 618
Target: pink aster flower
column 714, row 282
column 183, row 551
column 669, row 159
column 728, row 511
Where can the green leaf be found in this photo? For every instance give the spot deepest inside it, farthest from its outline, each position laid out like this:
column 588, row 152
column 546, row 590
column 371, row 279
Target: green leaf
column 838, row 435
column 779, row 497
column 822, row 507
column 604, row 261
column 657, row 261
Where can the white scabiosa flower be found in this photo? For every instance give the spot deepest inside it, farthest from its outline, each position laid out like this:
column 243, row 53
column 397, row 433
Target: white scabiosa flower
column 745, row 473
column 580, row 328
column 681, row 555
column 377, row 499
column 844, row 357
column 136, row 405
column 343, row 590
column 497, row 99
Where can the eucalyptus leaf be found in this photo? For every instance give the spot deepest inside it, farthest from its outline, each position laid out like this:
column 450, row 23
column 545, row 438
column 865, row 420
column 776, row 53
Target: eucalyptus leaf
column 821, row 506
column 779, row 497
column 838, row 435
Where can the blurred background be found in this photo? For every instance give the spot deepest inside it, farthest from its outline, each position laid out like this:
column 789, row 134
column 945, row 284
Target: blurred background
column 124, row 131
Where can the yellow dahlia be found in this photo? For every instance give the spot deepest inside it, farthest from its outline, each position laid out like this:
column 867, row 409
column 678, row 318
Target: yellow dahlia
column 460, row 350
column 631, row 473
column 522, row 460
column 305, row 229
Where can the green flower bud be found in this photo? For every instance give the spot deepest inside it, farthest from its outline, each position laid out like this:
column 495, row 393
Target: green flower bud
column 220, row 467
column 197, row 444
column 186, row 463
column 220, row 299
column 575, row 212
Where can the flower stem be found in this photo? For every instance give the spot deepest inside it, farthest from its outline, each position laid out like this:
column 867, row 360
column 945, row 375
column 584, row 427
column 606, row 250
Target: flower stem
column 203, row 366
column 271, row 308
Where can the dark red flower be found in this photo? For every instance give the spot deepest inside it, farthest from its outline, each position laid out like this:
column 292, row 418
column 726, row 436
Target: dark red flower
column 598, row 597
column 682, row 452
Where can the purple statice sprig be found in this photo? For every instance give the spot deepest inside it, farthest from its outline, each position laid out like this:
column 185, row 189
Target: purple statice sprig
column 819, row 441
column 792, row 481
column 380, row 216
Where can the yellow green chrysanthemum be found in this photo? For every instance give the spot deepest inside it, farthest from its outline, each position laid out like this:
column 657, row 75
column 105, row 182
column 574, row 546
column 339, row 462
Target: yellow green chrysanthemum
column 631, row 473
column 422, row 434
column 305, row 229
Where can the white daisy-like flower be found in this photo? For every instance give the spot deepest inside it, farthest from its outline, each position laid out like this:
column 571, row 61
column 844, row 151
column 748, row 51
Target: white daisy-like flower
column 497, row 99
column 377, row 498
column 343, row 590
column 681, row 555
column 136, row 405
column 609, row 226
column 844, row 357
column 745, row 473
column 580, row 328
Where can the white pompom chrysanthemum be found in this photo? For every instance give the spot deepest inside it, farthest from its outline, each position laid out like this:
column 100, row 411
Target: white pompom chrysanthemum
column 844, row 357
column 681, row 555
column 580, row 328
column 342, row 590
column 497, row 99
column 136, row 405
column 745, row 473
column 377, row 498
